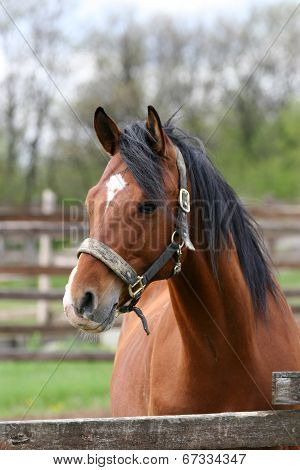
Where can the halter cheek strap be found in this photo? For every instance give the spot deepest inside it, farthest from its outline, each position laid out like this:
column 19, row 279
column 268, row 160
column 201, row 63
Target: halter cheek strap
column 136, row 284
column 182, row 227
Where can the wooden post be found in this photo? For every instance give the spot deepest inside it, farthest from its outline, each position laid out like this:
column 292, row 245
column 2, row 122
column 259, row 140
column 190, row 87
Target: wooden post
column 286, row 388
column 29, row 248
column 45, row 257
column 271, row 245
column 2, row 247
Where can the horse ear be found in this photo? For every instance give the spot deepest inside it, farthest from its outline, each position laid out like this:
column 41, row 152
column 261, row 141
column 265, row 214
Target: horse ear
column 107, row 131
column 155, row 128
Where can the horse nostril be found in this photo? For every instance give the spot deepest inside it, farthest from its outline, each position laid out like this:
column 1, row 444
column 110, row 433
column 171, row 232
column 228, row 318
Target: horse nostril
column 87, row 304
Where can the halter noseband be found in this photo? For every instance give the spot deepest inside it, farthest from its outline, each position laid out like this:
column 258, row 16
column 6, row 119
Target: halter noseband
column 137, row 284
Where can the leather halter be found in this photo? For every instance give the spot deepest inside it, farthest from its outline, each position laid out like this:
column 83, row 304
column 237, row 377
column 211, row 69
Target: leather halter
column 137, row 283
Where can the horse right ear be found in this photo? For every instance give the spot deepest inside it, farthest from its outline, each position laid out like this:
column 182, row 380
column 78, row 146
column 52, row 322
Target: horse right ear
column 107, row 131
column 155, row 129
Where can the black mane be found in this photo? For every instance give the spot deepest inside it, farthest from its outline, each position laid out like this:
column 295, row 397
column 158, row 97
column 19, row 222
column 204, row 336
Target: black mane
column 210, row 190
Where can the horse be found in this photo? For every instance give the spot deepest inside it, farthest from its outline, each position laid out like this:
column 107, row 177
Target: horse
column 219, row 323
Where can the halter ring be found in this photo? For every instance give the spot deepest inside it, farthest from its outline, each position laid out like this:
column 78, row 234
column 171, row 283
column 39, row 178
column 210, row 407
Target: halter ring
column 174, row 241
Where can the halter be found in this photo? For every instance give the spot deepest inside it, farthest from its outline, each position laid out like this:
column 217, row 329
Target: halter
column 137, row 283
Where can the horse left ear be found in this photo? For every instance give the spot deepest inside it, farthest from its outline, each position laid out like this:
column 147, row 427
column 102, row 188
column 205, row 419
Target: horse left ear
column 107, row 131
column 155, row 128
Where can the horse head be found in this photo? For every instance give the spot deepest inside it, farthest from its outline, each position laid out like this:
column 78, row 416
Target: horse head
column 134, row 221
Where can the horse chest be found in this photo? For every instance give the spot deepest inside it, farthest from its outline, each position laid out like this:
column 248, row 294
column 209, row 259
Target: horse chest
column 150, row 373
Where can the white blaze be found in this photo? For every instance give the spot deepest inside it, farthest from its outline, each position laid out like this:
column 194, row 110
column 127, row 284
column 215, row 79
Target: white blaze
column 115, row 184
column 67, row 300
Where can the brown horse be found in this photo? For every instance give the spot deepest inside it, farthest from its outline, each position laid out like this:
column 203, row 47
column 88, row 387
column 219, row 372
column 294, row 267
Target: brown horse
column 219, row 327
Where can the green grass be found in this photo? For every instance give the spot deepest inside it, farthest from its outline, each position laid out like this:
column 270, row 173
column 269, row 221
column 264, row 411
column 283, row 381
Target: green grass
column 75, row 386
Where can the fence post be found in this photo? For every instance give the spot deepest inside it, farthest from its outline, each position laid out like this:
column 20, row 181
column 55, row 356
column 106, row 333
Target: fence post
column 44, row 257
column 2, row 247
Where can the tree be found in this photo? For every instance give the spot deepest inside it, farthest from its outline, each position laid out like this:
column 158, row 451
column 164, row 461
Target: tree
column 29, row 94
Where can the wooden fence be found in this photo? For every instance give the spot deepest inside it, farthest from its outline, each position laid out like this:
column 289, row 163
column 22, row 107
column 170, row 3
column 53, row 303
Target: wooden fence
column 243, row 430
column 45, row 224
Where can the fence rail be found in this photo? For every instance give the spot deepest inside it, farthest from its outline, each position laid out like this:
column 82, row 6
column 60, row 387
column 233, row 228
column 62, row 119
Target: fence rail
column 38, row 227
column 57, row 294
column 270, row 228
column 27, row 216
column 31, row 294
column 34, row 270
column 269, row 216
column 243, row 430
column 48, row 329
column 191, row 432
column 267, row 211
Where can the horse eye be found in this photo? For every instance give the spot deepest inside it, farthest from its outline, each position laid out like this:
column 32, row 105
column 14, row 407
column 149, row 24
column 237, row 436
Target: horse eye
column 146, row 207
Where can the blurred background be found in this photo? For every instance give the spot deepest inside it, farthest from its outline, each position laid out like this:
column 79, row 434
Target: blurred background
column 234, row 69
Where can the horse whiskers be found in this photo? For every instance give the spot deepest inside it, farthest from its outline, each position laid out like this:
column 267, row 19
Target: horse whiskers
column 89, row 336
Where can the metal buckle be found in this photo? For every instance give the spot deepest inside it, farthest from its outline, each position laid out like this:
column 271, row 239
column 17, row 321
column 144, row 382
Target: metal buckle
column 184, row 200
column 140, row 288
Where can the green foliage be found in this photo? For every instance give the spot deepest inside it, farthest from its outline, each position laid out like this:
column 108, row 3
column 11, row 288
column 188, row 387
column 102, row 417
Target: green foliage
column 272, row 168
column 34, row 342
column 249, row 119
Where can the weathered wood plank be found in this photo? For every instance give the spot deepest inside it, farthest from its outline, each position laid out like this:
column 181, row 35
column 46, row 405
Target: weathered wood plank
column 282, row 264
column 19, row 355
column 37, row 225
column 57, row 294
column 59, row 217
column 31, row 294
column 275, row 211
column 276, row 227
column 51, row 328
column 209, row 431
column 9, row 227
column 292, row 292
column 55, row 329
column 34, row 270
column 286, row 388
column 263, row 211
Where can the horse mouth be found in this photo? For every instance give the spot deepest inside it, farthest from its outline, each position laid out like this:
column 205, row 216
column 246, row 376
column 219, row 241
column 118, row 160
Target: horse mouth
column 107, row 323
column 88, row 325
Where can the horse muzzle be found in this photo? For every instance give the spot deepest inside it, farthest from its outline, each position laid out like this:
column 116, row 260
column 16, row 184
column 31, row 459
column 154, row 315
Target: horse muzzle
column 89, row 312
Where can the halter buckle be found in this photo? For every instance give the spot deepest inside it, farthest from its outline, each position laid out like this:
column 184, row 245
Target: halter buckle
column 139, row 285
column 184, row 200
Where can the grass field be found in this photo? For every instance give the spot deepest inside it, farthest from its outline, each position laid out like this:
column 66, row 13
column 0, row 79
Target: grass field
column 76, row 388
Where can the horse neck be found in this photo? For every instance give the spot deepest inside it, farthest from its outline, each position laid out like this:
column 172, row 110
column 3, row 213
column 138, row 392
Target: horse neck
column 213, row 313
